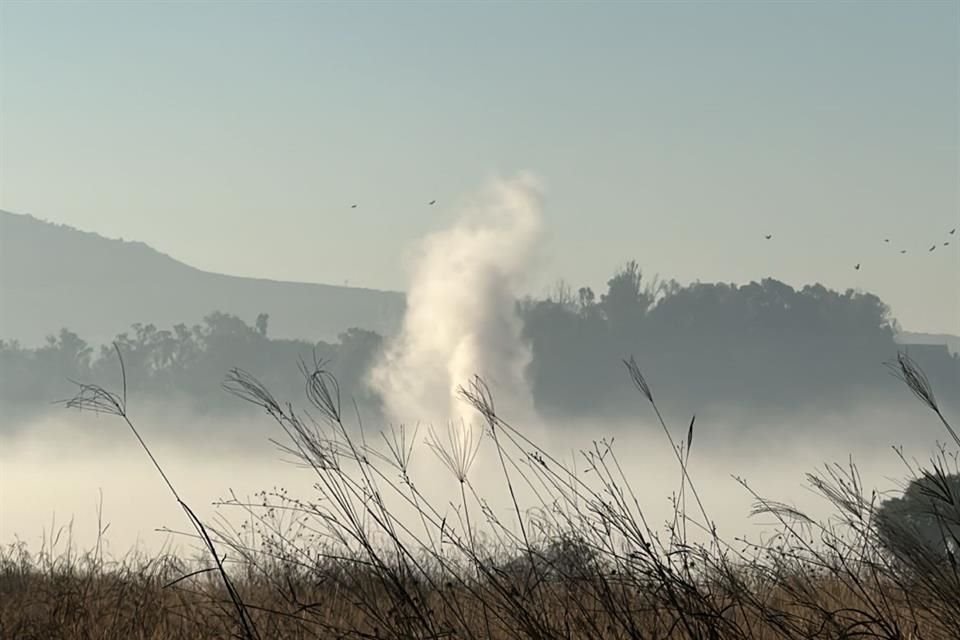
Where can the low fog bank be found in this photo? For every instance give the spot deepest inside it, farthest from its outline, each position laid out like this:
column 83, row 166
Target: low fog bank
column 54, row 472
column 237, row 425
column 781, row 381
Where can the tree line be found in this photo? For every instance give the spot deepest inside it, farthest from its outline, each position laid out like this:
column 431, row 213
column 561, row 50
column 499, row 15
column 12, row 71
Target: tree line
column 183, row 366
column 763, row 344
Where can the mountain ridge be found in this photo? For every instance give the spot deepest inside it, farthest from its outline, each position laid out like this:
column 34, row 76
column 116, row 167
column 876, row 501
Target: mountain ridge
column 55, row 276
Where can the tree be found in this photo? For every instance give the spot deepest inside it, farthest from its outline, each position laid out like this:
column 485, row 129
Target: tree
column 356, row 354
column 585, row 299
column 562, row 294
column 622, row 301
column 924, row 525
column 261, row 324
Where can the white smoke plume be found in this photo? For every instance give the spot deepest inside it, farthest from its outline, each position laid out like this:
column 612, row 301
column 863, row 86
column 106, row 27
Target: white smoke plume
column 461, row 316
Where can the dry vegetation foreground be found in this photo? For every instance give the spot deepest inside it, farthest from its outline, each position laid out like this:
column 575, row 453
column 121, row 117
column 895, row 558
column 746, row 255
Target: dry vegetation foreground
column 145, row 600
column 587, row 564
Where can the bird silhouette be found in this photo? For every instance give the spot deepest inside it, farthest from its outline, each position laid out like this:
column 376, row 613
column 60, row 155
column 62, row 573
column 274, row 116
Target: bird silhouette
column 768, row 236
column 933, row 247
column 947, row 243
column 857, row 267
column 353, row 206
column 953, row 231
column 886, row 239
column 903, row 250
column 432, row 202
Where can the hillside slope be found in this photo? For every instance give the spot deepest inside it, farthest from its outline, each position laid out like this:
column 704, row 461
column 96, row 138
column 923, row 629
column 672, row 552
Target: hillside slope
column 54, row 276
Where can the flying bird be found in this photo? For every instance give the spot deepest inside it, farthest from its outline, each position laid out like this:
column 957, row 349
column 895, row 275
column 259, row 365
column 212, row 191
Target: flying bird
column 886, row 239
column 432, row 202
column 933, row 247
column 857, row 267
column 953, row 231
column 903, row 250
column 947, row 243
column 768, row 236
column 353, row 206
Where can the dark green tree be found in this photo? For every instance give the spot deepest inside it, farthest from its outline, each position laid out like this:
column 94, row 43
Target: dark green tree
column 923, row 525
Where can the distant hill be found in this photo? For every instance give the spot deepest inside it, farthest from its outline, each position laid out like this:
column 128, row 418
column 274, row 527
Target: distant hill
column 54, row 276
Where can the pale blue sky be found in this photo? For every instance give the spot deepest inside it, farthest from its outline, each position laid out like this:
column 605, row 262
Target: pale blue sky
column 234, row 136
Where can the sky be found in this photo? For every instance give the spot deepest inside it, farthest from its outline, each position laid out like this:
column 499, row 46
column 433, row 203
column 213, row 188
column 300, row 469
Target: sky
column 235, row 136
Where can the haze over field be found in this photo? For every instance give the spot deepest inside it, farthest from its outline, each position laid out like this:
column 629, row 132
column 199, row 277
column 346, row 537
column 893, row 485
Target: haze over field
column 463, row 318
column 758, row 202
column 93, row 454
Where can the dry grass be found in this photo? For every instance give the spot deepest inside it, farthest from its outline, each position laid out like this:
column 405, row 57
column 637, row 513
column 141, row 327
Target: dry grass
column 137, row 600
column 344, row 564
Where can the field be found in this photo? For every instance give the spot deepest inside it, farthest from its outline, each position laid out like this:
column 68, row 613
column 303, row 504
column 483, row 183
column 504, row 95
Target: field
column 370, row 557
